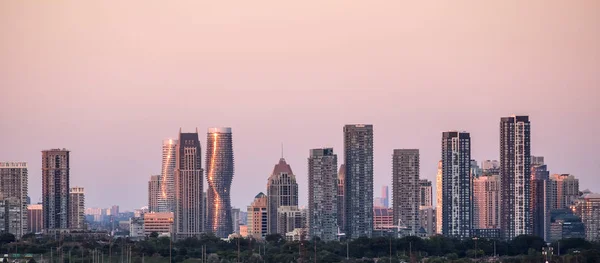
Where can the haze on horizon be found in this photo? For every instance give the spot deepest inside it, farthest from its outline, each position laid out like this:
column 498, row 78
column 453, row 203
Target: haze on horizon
column 110, row 80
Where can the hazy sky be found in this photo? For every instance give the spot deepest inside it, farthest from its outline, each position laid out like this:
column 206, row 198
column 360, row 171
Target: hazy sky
column 110, row 80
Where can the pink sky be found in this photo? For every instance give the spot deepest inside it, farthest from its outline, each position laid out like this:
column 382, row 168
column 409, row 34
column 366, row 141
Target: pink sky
column 110, row 80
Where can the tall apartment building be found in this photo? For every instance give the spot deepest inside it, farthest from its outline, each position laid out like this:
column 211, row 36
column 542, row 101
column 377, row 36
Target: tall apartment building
column 565, row 190
column 154, row 193
column 35, row 220
column 219, row 173
column 166, row 199
column 439, row 200
column 427, row 219
column 282, row 190
column 13, row 190
column 457, row 210
column 515, row 160
column 425, row 193
column 541, row 199
column 290, row 218
column 188, row 216
column 588, row 209
column 322, row 194
column 235, row 219
column 341, row 201
column 55, row 189
column 77, row 208
column 486, row 202
column 257, row 217
column 406, row 188
column 358, row 158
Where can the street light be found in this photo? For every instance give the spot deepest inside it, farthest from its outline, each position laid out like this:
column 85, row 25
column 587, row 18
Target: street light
column 547, row 252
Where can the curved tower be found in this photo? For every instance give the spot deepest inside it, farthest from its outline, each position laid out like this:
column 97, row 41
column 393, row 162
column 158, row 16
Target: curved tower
column 166, row 197
column 219, row 174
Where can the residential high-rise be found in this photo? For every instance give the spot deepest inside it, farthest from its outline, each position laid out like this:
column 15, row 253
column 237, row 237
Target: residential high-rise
column 219, row 173
column 457, row 193
column 282, row 190
column 565, row 190
column 290, row 218
column 154, row 193
column 55, row 189
column 35, row 219
column 406, row 188
column 235, row 219
column 425, row 193
column 515, row 174
column 188, row 216
column 166, row 200
column 257, row 217
column 358, row 195
column 588, row 209
column 322, row 194
column 427, row 219
column 439, row 200
column 540, row 198
column 77, row 208
column 486, row 202
column 13, row 187
column 385, row 199
column 341, row 201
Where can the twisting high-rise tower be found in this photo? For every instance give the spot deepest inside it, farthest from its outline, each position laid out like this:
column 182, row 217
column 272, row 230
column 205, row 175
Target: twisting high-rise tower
column 219, row 173
column 188, row 185
column 166, row 198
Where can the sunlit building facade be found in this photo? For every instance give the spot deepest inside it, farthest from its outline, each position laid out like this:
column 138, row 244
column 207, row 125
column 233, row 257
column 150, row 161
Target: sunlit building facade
column 219, row 174
column 189, row 186
column 77, row 209
column 35, row 221
column 486, row 202
column 439, row 201
column 341, row 201
column 257, row 217
column 166, row 198
column 588, row 209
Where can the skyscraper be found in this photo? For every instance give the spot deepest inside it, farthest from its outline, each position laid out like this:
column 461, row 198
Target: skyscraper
column 219, row 173
column 340, row 192
column 13, row 189
column 358, row 158
column 35, row 221
column 166, row 199
column 154, row 193
column 486, row 202
column 439, row 201
column 457, row 209
column 565, row 190
column 588, row 209
column 405, row 187
column 257, row 217
column 189, row 186
column 282, row 190
column 55, row 189
column 322, row 194
column 515, row 174
column 425, row 193
column 540, row 198
column 385, row 200
column 77, row 208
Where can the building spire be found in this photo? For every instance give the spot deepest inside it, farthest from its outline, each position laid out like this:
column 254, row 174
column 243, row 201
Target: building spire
column 281, row 150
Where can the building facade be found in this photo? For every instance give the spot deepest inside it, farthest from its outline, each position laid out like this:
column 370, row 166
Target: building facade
column 358, row 158
column 439, row 200
column 154, row 193
column 515, row 173
column 383, row 219
column 457, row 209
column 166, row 198
column 77, row 208
column 565, row 190
column 406, row 188
column 35, row 220
column 290, row 218
column 160, row 223
column 219, row 173
column 486, row 202
column 341, row 201
column 258, row 225
column 55, row 189
column 588, row 209
column 188, row 216
column 540, row 198
column 427, row 220
column 13, row 189
column 322, row 194
column 385, row 199
column 282, row 190
column 425, row 193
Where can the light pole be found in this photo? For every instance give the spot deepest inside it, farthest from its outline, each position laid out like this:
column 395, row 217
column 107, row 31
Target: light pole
column 476, row 252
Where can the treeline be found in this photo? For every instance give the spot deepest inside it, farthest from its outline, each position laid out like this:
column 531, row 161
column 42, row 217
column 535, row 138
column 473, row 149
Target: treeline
column 277, row 250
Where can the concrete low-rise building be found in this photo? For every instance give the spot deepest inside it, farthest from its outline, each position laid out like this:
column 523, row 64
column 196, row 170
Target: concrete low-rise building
column 161, row 223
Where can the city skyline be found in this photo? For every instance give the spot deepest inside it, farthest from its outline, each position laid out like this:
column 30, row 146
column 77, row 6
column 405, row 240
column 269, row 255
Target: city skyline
column 88, row 83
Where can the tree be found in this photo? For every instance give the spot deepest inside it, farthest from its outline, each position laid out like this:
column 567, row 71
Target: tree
column 7, row 238
column 153, row 235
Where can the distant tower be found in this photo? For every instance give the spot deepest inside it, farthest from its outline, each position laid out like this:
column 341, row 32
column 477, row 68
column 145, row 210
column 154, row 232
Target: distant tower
column 358, row 157
column 77, row 209
column 154, row 193
column 219, row 173
column 55, row 189
column 457, row 210
column 257, row 217
column 486, row 202
column 282, row 190
column 322, row 194
column 425, row 193
column 385, row 199
column 439, row 203
column 35, row 221
column 405, row 187
column 540, row 198
column 341, row 201
column 166, row 201
column 13, row 193
column 188, row 184
column 515, row 174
